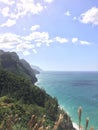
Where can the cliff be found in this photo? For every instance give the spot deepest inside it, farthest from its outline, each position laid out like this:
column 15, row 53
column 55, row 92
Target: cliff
column 10, row 61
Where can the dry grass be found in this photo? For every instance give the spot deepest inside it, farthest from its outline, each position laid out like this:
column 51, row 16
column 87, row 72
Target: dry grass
column 87, row 120
column 35, row 124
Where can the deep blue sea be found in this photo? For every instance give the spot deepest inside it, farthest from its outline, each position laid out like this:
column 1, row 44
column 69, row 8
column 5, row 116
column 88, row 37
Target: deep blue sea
column 74, row 89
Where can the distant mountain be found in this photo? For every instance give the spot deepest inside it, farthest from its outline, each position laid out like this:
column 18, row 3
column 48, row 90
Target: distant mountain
column 1, row 52
column 10, row 61
column 36, row 68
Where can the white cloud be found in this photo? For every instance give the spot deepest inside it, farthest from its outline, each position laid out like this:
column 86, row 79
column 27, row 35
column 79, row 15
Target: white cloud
column 24, row 7
column 35, row 27
column 67, row 13
column 38, row 37
column 15, row 42
column 24, row 43
column 8, row 41
column 61, row 40
column 74, row 40
column 24, row 47
column 26, row 53
column 84, row 42
column 34, row 50
column 38, row 44
column 7, row 2
column 14, row 9
column 49, row 41
column 8, row 23
column 9, row 37
column 6, row 46
column 90, row 16
column 75, row 18
column 29, row 42
column 48, row 1
column 5, row 11
column 21, row 8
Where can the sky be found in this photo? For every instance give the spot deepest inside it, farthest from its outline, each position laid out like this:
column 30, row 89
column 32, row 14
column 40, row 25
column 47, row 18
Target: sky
column 59, row 35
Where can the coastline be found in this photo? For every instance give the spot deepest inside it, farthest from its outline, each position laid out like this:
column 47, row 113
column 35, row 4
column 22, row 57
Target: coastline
column 75, row 126
column 62, row 108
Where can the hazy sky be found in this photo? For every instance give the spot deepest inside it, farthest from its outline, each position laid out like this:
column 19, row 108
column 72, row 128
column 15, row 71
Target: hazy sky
column 53, row 34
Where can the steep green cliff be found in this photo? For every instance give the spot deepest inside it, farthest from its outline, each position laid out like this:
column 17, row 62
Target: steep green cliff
column 10, row 61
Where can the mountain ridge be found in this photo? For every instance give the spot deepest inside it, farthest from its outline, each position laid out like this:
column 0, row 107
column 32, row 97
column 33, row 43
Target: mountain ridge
column 11, row 61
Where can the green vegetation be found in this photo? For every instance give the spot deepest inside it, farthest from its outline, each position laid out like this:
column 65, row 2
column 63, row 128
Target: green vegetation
column 10, row 61
column 20, row 99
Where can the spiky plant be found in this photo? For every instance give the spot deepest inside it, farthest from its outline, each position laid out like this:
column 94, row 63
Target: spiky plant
column 79, row 116
column 87, row 121
column 32, row 122
column 57, row 123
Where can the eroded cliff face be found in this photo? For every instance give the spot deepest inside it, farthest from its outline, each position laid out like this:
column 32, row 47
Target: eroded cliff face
column 11, row 61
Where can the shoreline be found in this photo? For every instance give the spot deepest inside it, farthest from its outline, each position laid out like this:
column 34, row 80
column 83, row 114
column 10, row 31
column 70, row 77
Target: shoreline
column 75, row 126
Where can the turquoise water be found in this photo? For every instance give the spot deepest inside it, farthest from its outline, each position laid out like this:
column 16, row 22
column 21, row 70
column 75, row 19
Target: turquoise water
column 74, row 89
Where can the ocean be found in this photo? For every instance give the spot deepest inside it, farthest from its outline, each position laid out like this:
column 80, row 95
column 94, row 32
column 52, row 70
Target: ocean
column 73, row 89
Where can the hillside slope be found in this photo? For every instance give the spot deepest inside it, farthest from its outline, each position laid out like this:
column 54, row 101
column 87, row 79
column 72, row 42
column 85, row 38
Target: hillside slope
column 10, row 61
column 18, row 96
